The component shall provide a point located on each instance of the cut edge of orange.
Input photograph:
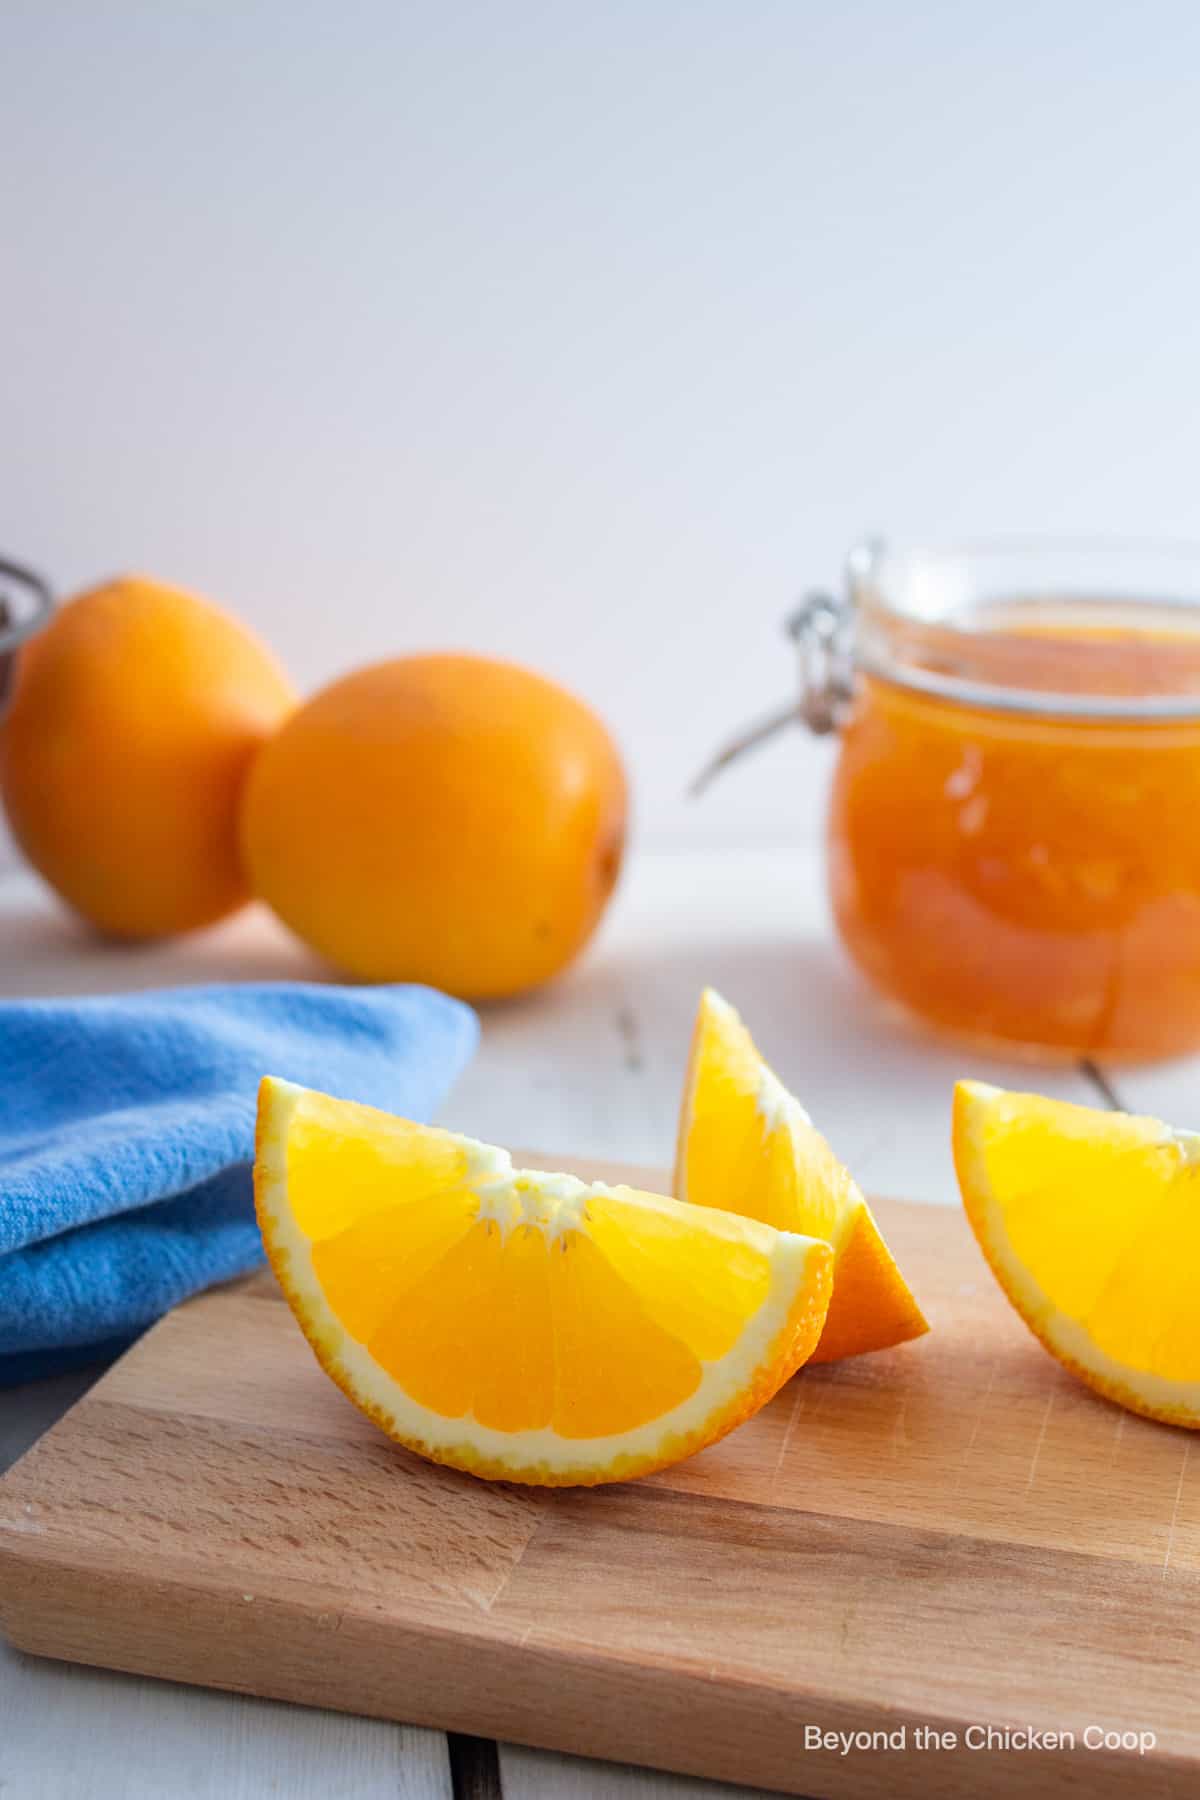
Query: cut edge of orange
(1066, 1338)
(872, 1307)
(776, 1340)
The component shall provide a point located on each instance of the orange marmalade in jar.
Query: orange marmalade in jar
(1015, 826)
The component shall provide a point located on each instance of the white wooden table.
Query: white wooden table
(592, 1066)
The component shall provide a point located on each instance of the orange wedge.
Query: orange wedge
(1091, 1223)
(520, 1326)
(747, 1145)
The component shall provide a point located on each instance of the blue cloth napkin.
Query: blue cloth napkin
(127, 1128)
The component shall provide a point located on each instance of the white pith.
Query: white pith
(556, 1204)
(778, 1108)
(1189, 1145)
(775, 1104)
(1070, 1336)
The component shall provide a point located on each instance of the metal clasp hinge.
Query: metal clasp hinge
(16, 624)
(821, 628)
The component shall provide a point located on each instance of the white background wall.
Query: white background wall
(588, 333)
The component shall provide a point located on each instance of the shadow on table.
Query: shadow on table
(45, 950)
(807, 1006)
(27, 1410)
(878, 1085)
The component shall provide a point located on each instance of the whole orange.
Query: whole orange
(136, 716)
(448, 819)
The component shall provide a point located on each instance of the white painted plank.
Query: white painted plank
(594, 1065)
(541, 1775)
(1169, 1091)
(46, 950)
(68, 1733)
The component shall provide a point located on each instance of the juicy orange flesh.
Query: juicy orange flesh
(337, 1174)
(1104, 1214)
(742, 1154)
(747, 1145)
(373, 1265)
(588, 1333)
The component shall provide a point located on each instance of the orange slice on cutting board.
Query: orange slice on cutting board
(521, 1326)
(747, 1145)
(1091, 1223)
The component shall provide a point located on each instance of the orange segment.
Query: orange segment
(398, 1253)
(1091, 1223)
(747, 1145)
(514, 1389)
(523, 1326)
(339, 1157)
(631, 1372)
(699, 1298)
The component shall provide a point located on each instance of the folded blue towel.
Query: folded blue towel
(127, 1128)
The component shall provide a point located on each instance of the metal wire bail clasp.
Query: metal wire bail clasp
(19, 619)
(821, 629)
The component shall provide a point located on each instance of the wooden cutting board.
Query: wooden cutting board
(945, 1538)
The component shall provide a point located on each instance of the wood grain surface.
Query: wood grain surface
(953, 1535)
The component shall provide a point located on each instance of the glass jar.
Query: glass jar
(1014, 835)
